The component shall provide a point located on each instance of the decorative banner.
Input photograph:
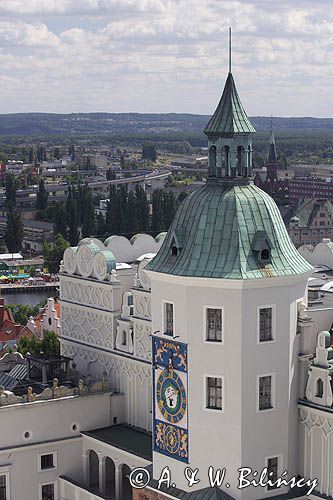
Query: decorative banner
(170, 398)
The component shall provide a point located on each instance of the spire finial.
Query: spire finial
(229, 49)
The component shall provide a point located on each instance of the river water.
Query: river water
(30, 298)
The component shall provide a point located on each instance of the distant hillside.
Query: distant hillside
(48, 124)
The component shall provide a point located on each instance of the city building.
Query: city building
(313, 221)
(310, 187)
(35, 233)
(206, 352)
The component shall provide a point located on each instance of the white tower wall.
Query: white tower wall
(238, 436)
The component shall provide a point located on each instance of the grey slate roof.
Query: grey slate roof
(19, 372)
(126, 438)
(230, 116)
(7, 382)
(309, 209)
(203, 494)
(221, 221)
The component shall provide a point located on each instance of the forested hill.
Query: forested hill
(46, 124)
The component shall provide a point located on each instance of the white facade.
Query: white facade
(47, 427)
(97, 341)
(239, 360)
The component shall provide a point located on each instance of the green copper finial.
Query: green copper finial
(229, 49)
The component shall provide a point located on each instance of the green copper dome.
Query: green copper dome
(228, 229)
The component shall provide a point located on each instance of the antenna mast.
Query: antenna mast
(230, 49)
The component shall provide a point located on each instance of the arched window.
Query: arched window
(320, 388)
(174, 250)
(212, 161)
(240, 160)
(93, 470)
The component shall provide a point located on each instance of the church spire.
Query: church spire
(272, 147)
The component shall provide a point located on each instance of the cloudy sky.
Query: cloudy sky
(165, 55)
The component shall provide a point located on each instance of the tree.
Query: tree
(131, 213)
(73, 222)
(59, 219)
(14, 231)
(31, 155)
(113, 212)
(142, 208)
(157, 220)
(169, 208)
(181, 197)
(101, 229)
(26, 344)
(124, 221)
(71, 151)
(42, 196)
(149, 152)
(50, 343)
(88, 211)
(22, 312)
(41, 154)
(56, 154)
(110, 174)
(11, 184)
(53, 253)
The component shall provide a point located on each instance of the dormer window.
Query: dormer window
(265, 255)
(177, 241)
(261, 247)
(174, 250)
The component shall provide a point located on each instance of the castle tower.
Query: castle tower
(229, 133)
(225, 286)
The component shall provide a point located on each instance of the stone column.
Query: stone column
(101, 474)
(118, 482)
(85, 461)
(233, 161)
(44, 375)
(218, 161)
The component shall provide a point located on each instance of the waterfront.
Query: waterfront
(29, 298)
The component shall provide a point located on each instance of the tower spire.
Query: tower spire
(229, 49)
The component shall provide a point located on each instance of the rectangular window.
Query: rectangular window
(47, 461)
(3, 487)
(272, 471)
(168, 318)
(214, 393)
(48, 492)
(265, 393)
(213, 325)
(265, 324)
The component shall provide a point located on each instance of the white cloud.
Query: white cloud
(165, 55)
(28, 35)
(81, 7)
